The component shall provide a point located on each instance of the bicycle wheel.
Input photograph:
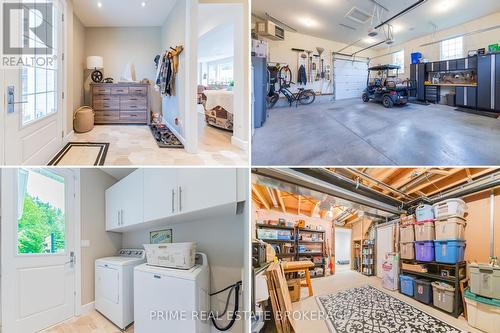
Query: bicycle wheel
(272, 100)
(307, 97)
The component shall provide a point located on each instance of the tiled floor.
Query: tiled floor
(349, 279)
(134, 145)
(93, 322)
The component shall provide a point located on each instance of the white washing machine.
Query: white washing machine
(166, 298)
(114, 283)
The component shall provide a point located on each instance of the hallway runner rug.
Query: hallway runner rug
(368, 309)
(81, 153)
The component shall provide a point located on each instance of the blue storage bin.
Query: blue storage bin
(415, 57)
(450, 251)
(407, 283)
(424, 213)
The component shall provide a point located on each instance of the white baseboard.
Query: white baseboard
(67, 137)
(87, 308)
(242, 144)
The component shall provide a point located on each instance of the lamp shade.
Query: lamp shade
(95, 62)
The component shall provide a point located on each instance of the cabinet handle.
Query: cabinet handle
(180, 199)
(121, 220)
(118, 215)
(173, 195)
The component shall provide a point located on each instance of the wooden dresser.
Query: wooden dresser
(120, 103)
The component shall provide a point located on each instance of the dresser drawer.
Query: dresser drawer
(119, 90)
(101, 91)
(139, 115)
(107, 116)
(133, 103)
(138, 90)
(106, 103)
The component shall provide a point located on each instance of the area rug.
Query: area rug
(164, 137)
(368, 309)
(81, 153)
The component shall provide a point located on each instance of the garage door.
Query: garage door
(350, 78)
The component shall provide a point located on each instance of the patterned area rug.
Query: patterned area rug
(81, 153)
(368, 309)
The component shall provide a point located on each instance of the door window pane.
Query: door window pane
(41, 212)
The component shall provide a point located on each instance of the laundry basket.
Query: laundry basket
(83, 119)
(450, 207)
(424, 213)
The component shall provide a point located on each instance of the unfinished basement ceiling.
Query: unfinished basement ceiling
(407, 184)
(327, 18)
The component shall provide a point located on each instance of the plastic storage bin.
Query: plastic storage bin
(450, 207)
(415, 57)
(405, 220)
(424, 231)
(267, 234)
(407, 250)
(424, 251)
(485, 280)
(482, 313)
(450, 251)
(406, 283)
(173, 255)
(443, 296)
(424, 213)
(452, 228)
(423, 291)
(407, 233)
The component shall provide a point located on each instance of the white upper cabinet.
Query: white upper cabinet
(160, 193)
(124, 202)
(205, 188)
(150, 197)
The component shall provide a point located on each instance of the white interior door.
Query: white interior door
(384, 245)
(33, 117)
(350, 78)
(38, 247)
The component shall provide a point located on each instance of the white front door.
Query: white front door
(33, 104)
(384, 245)
(38, 248)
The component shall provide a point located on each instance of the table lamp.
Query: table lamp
(96, 63)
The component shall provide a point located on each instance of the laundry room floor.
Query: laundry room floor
(350, 279)
(92, 322)
(350, 132)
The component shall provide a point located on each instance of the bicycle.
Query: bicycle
(303, 96)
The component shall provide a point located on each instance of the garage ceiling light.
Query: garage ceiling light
(308, 22)
(369, 40)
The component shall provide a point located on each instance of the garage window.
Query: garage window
(452, 48)
(398, 58)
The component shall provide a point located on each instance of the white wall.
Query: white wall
(93, 183)
(222, 239)
(79, 63)
(121, 46)
(342, 244)
(173, 33)
(432, 52)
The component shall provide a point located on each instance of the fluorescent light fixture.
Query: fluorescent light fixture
(99, 4)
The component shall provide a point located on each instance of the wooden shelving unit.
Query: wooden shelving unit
(458, 271)
(314, 239)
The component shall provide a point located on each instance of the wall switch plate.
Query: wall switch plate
(85, 243)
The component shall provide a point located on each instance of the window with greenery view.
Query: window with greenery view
(41, 213)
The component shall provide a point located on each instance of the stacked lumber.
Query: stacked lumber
(280, 298)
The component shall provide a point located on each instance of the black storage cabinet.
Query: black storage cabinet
(497, 82)
(422, 291)
(484, 82)
(421, 80)
(260, 81)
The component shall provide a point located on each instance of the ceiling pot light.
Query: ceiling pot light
(99, 4)
(143, 4)
(308, 22)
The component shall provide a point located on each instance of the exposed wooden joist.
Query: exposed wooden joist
(298, 204)
(433, 179)
(457, 179)
(260, 196)
(280, 200)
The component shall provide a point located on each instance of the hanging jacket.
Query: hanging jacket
(302, 77)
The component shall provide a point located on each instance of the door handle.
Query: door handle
(118, 215)
(121, 217)
(180, 199)
(72, 259)
(173, 199)
(10, 99)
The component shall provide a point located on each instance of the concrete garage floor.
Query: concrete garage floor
(350, 132)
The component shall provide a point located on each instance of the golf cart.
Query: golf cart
(383, 88)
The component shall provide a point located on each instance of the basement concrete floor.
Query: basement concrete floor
(350, 132)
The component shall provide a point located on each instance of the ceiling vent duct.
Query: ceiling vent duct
(358, 15)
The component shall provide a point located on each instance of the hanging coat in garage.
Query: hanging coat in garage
(302, 77)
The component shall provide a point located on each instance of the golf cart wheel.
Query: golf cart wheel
(365, 97)
(273, 100)
(307, 97)
(387, 102)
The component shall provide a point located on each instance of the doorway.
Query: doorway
(39, 248)
(33, 121)
(342, 249)
(385, 241)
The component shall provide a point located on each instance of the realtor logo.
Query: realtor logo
(27, 28)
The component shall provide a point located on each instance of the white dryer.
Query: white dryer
(167, 298)
(114, 283)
